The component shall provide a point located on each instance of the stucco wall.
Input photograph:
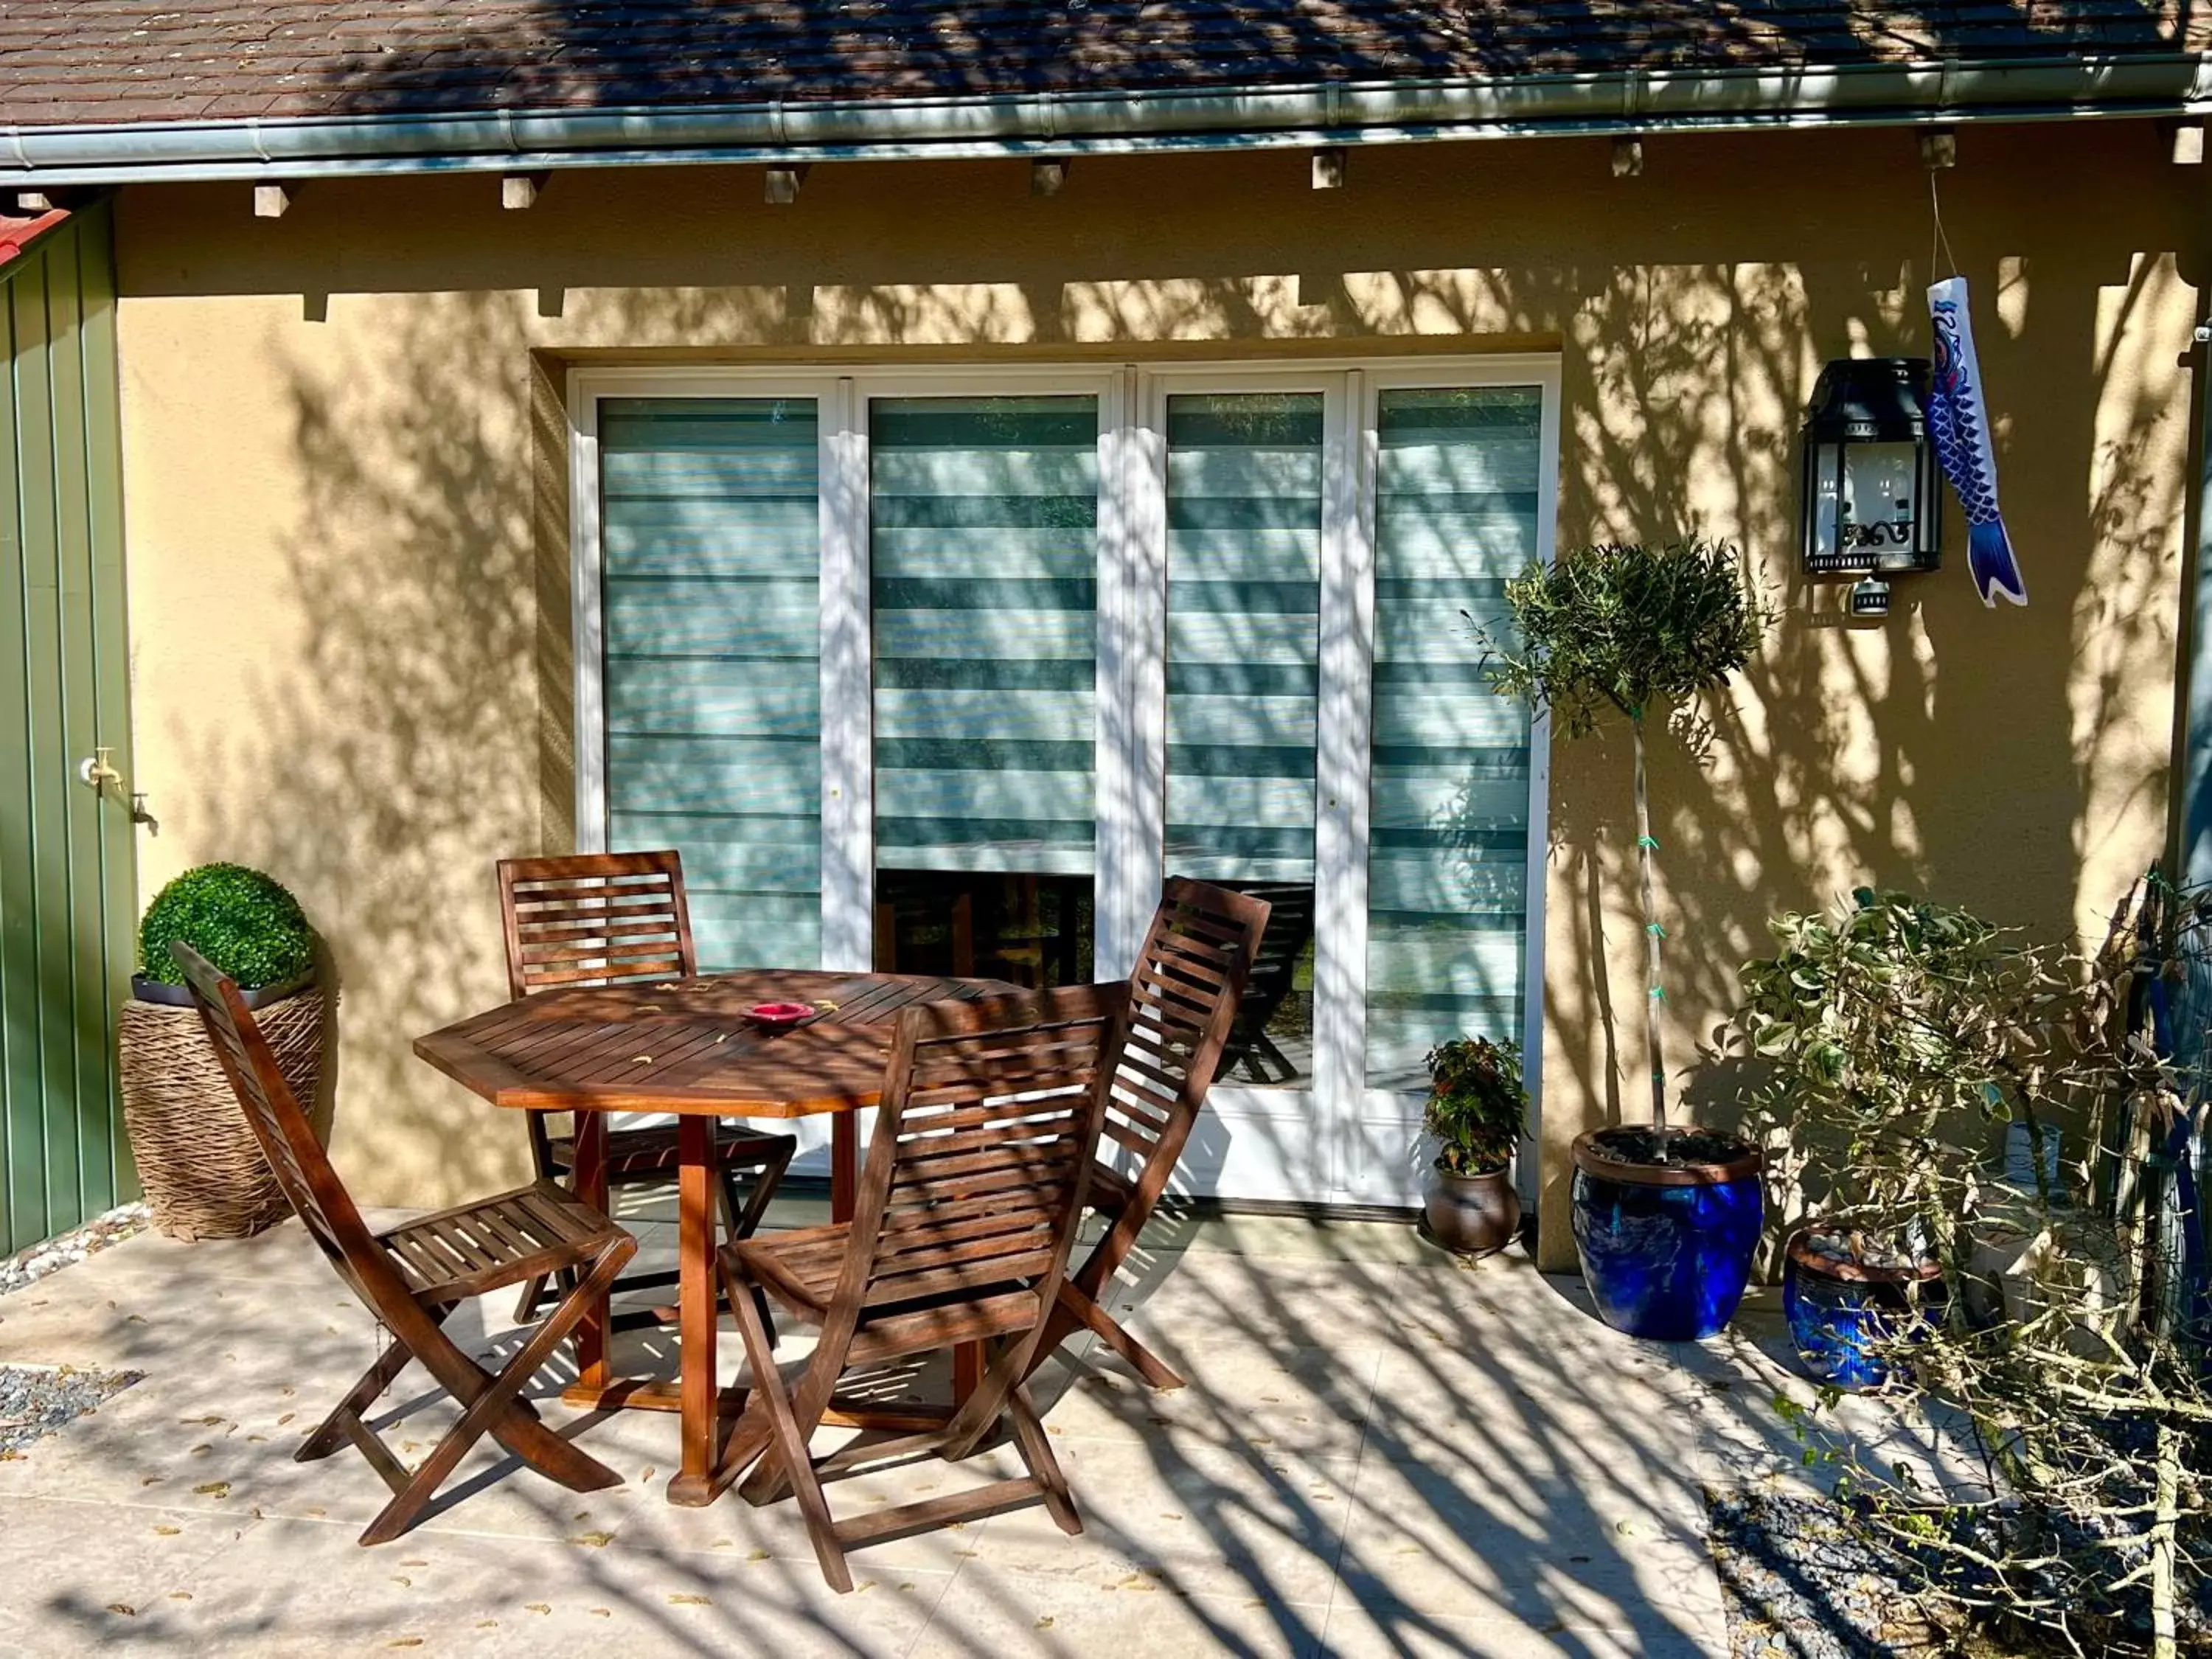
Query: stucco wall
(347, 530)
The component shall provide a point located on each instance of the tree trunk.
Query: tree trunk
(1655, 992)
(2163, 1642)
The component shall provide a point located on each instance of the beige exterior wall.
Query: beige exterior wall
(347, 525)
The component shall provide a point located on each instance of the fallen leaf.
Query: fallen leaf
(641, 1059)
(122, 1607)
(601, 1612)
(593, 1541)
(1045, 1623)
(214, 1489)
(402, 1581)
(404, 1642)
(180, 1595)
(539, 1607)
(757, 1555)
(166, 1532)
(689, 1601)
(286, 1418)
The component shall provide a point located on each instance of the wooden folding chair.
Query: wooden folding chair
(413, 1275)
(1183, 1001)
(1273, 977)
(966, 1211)
(608, 919)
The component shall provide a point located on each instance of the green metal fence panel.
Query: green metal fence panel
(68, 882)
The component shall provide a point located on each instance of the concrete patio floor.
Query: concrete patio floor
(1380, 1452)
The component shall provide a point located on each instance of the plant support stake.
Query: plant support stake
(1646, 846)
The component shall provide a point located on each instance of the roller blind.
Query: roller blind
(1457, 513)
(711, 550)
(983, 524)
(1244, 511)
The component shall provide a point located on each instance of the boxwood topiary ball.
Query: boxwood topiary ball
(244, 922)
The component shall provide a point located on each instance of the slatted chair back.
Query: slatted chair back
(1184, 994)
(594, 919)
(1274, 969)
(973, 1187)
(287, 1140)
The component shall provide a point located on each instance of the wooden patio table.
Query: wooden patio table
(688, 1047)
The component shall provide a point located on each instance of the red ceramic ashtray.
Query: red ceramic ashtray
(780, 1013)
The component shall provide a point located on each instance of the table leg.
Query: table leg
(590, 1176)
(694, 1140)
(844, 1164)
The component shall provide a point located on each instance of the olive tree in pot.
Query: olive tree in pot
(1895, 1033)
(1666, 1216)
(204, 1173)
(1476, 1109)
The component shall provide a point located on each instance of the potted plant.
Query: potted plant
(1476, 1109)
(1894, 1032)
(1666, 1216)
(204, 1173)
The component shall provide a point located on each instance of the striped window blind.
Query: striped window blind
(711, 549)
(983, 527)
(1457, 513)
(1244, 509)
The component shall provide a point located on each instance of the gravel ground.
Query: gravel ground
(36, 1399)
(1799, 1587)
(28, 1266)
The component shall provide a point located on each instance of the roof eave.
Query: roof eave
(1642, 102)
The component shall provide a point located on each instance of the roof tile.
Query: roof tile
(126, 60)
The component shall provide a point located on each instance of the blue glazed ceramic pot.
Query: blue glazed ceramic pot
(1666, 1249)
(1838, 1311)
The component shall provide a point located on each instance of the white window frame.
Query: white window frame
(1387, 1110)
(1131, 686)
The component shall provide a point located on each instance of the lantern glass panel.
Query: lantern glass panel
(1827, 502)
(1881, 487)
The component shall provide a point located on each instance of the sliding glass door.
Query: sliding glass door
(983, 559)
(712, 620)
(943, 671)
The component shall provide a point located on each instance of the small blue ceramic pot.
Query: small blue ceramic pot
(1666, 1249)
(1839, 1311)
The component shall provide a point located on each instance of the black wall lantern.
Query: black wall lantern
(1873, 502)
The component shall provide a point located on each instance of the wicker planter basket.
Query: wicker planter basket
(202, 1170)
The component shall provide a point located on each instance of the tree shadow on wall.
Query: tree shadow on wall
(380, 774)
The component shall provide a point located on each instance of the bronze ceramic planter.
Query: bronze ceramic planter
(1472, 1215)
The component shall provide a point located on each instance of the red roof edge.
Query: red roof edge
(17, 233)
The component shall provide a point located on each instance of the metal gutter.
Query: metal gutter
(1116, 121)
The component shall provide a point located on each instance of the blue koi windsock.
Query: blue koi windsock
(1957, 423)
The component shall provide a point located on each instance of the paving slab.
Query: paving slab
(1379, 1451)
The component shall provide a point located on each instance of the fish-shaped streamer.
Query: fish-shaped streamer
(1959, 423)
